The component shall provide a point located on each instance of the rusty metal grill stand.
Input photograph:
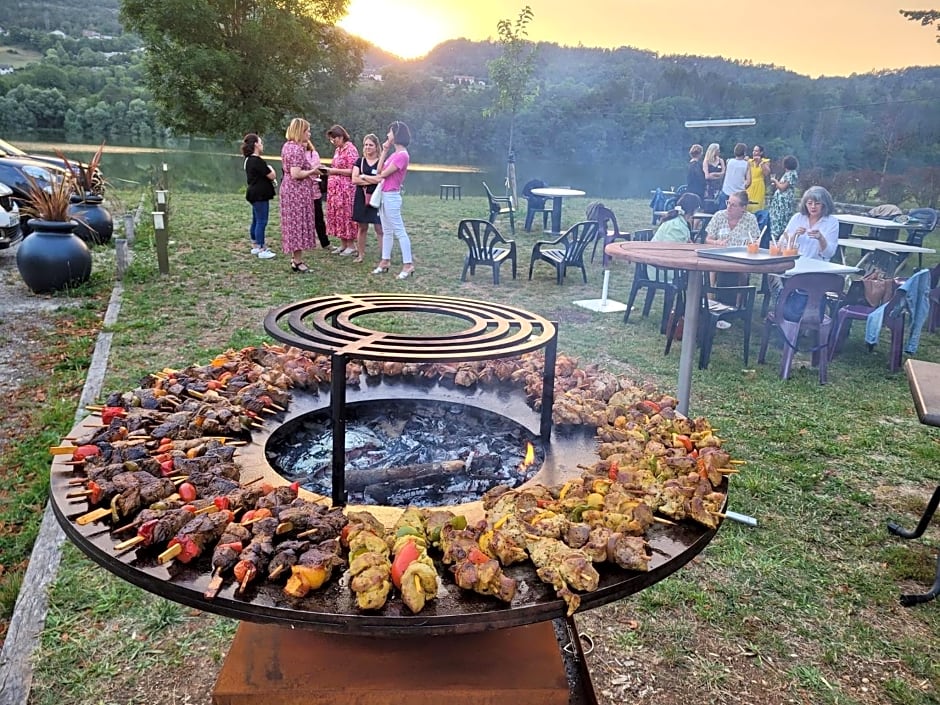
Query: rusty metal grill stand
(327, 325)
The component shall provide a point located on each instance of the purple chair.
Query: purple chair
(813, 290)
(893, 321)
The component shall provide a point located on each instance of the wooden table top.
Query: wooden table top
(684, 255)
(924, 378)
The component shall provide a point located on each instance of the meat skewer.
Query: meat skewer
(225, 555)
(313, 568)
(192, 539)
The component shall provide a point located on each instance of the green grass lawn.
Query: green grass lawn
(801, 609)
(18, 57)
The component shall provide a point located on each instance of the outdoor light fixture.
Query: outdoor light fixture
(722, 122)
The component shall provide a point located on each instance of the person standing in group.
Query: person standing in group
(340, 191)
(737, 175)
(760, 170)
(713, 167)
(365, 177)
(695, 179)
(392, 170)
(319, 223)
(261, 179)
(783, 200)
(298, 232)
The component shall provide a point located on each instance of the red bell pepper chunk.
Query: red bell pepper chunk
(477, 557)
(405, 557)
(109, 413)
(683, 440)
(86, 451)
(612, 471)
(222, 502)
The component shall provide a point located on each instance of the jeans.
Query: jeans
(392, 224)
(259, 222)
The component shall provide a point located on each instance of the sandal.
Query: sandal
(380, 270)
(299, 267)
(359, 260)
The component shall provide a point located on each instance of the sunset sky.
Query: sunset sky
(811, 37)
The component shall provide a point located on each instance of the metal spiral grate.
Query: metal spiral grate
(328, 325)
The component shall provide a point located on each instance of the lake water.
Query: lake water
(216, 166)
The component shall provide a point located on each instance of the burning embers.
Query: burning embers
(409, 452)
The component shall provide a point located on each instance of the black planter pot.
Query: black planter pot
(95, 225)
(53, 257)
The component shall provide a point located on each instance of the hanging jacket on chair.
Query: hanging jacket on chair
(917, 290)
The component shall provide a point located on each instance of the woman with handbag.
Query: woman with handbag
(365, 177)
(393, 166)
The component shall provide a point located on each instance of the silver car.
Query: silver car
(10, 232)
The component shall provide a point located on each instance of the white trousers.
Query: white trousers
(392, 224)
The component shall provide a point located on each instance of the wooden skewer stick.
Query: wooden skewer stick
(208, 509)
(278, 569)
(130, 543)
(720, 515)
(93, 515)
(308, 532)
(194, 393)
(79, 493)
(170, 553)
(283, 528)
(94, 407)
(728, 471)
(215, 584)
(74, 462)
(62, 450)
(266, 410)
(738, 462)
(256, 425)
(277, 406)
(660, 520)
(95, 425)
(77, 481)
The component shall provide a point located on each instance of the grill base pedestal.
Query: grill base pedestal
(282, 666)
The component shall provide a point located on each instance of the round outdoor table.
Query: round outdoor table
(679, 255)
(556, 194)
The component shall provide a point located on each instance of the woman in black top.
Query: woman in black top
(695, 179)
(261, 182)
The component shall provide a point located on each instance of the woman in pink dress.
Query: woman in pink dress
(298, 232)
(341, 192)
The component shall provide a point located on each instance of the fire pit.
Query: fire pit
(328, 324)
(456, 617)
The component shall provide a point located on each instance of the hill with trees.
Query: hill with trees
(609, 107)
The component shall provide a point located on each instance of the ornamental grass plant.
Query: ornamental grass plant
(801, 609)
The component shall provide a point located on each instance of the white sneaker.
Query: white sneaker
(255, 250)
(337, 250)
(722, 325)
(265, 254)
(348, 252)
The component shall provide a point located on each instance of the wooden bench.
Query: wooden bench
(449, 191)
(924, 378)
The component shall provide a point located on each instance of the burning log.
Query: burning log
(358, 480)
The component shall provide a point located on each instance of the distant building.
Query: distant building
(58, 33)
(366, 76)
(5, 69)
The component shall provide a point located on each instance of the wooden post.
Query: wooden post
(163, 241)
(129, 228)
(120, 256)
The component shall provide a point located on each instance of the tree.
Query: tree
(925, 17)
(512, 73)
(222, 68)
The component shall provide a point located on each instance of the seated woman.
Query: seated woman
(813, 230)
(734, 226)
(673, 228)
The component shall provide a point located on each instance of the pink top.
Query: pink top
(394, 180)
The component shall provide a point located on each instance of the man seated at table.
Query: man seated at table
(813, 230)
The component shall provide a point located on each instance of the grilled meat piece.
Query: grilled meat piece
(313, 568)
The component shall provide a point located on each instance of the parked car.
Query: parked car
(13, 152)
(10, 231)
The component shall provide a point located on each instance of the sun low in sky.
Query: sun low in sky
(830, 38)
